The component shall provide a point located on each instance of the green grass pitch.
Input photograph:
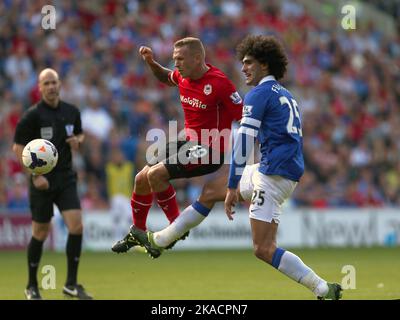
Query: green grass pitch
(213, 274)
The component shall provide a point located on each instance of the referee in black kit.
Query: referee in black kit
(60, 123)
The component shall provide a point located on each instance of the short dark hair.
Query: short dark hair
(266, 50)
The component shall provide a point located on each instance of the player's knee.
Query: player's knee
(259, 252)
(155, 176)
(152, 175)
(76, 229)
(207, 194)
(141, 178)
(264, 252)
(40, 233)
(208, 197)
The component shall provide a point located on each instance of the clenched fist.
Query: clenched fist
(146, 53)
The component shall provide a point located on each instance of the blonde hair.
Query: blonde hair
(194, 44)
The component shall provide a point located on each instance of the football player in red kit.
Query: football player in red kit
(210, 103)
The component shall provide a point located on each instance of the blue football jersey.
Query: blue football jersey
(271, 114)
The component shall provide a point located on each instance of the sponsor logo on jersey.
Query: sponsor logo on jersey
(207, 89)
(247, 111)
(236, 98)
(276, 88)
(193, 102)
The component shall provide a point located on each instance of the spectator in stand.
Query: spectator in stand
(119, 174)
(346, 80)
(18, 196)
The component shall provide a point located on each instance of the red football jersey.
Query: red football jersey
(210, 102)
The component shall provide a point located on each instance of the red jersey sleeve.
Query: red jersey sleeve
(231, 100)
(174, 77)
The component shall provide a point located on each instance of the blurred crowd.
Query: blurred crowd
(346, 83)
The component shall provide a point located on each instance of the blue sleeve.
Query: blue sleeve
(253, 113)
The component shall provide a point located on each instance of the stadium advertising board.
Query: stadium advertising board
(16, 232)
(298, 228)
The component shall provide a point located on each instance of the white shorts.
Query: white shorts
(246, 184)
(267, 193)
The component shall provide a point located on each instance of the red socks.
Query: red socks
(167, 201)
(141, 205)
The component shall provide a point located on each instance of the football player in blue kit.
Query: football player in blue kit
(271, 115)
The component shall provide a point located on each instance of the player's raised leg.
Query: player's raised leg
(149, 179)
(158, 177)
(156, 242)
(152, 180)
(270, 192)
(141, 202)
(265, 248)
(212, 192)
(142, 199)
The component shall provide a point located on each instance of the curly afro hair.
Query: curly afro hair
(266, 50)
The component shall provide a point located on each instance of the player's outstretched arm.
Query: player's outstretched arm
(160, 72)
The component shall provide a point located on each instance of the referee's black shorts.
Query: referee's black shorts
(187, 159)
(62, 192)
